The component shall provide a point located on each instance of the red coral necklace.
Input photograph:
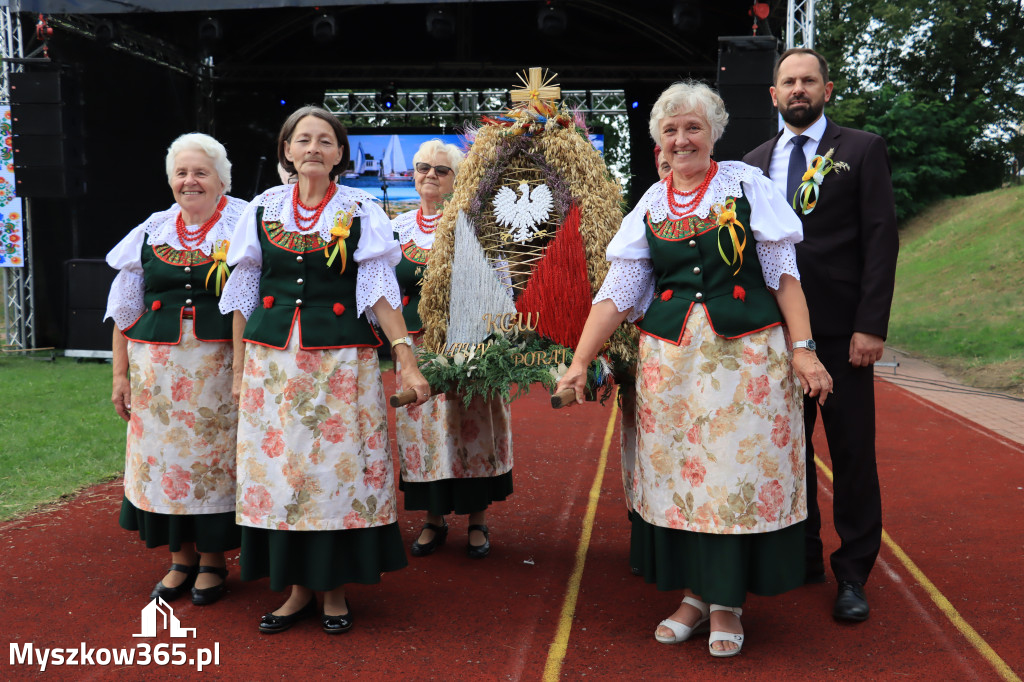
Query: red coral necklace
(427, 225)
(192, 238)
(305, 223)
(696, 194)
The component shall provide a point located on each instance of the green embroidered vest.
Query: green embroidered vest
(297, 285)
(410, 273)
(689, 270)
(175, 280)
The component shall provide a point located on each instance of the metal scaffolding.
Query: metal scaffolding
(18, 299)
(800, 24)
(371, 108)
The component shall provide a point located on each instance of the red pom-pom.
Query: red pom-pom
(268, 301)
(156, 305)
(740, 293)
(405, 300)
(666, 295)
(338, 309)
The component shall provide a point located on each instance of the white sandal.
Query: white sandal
(719, 636)
(680, 631)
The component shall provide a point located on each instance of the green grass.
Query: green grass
(958, 287)
(58, 430)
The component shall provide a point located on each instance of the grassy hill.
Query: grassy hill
(959, 299)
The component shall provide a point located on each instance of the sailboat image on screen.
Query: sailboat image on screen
(151, 612)
(392, 163)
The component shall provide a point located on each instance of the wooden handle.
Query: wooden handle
(406, 397)
(403, 398)
(566, 396)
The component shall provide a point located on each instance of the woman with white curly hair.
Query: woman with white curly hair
(707, 260)
(172, 372)
(454, 458)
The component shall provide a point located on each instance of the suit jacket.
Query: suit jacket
(847, 260)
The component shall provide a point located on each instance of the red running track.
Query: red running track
(953, 503)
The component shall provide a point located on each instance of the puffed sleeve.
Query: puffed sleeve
(125, 301)
(630, 279)
(776, 227)
(377, 253)
(242, 291)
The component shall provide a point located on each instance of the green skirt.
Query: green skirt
(209, 532)
(721, 569)
(459, 495)
(321, 560)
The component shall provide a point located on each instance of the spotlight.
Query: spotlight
(388, 96)
(106, 31)
(551, 19)
(634, 104)
(324, 29)
(440, 24)
(209, 31)
(686, 16)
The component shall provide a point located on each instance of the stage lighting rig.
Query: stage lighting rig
(440, 23)
(324, 29)
(551, 19)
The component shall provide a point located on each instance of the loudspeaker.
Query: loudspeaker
(745, 66)
(88, 284)
(46, 122)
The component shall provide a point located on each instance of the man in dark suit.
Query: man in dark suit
(847, 264)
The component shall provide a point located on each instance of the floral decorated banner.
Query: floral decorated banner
(12, 236)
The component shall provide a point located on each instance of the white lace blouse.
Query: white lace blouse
(630, 279)
(125, 301)
(377, 252)
(405, 225)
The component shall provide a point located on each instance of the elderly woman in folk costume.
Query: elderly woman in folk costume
(454, 458)
(707, 259)
(316, 494)
(172, 373)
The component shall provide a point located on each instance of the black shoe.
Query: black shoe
(208, 595)
(851, 604)
(271, 624)
(172, 593)
(479, 551)
(335, 625)
(440, 535)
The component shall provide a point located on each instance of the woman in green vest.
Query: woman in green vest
(172, 372)
(314, 266)
(705, 264)
(454, 459)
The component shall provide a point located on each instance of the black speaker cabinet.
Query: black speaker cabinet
(87, 286)
(745, 66)
(46, 122)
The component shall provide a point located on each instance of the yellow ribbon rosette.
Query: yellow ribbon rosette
(339, 233)
(736, 232)
(219, 270)
(806, 197)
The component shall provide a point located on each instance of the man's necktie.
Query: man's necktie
(797, 168)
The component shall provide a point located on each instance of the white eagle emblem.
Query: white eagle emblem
(522, 214)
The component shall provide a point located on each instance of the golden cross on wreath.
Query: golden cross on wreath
(537, 92)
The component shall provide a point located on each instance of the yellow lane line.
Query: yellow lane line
(560, 644)
(969, 633)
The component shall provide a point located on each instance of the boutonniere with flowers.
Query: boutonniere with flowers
(219, 270)
(806, 197)
(339, 233)
(735, 233)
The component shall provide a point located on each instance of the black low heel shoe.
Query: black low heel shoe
(479, 551)
(172, 593)
(271, 624)
(335, 625)
(440, 535)
(208, 595)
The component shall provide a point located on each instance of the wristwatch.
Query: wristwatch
(808, 344)
(407, 340)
